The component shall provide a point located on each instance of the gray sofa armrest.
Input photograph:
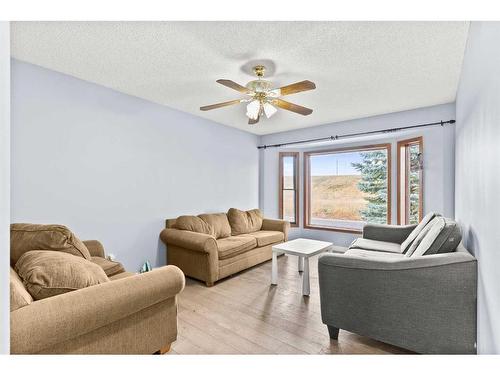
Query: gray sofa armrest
(387, 233)
(425, 304)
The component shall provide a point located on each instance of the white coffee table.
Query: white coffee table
(304, 249)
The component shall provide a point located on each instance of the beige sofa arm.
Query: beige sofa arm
(95, 248)
(277, 225)
(53, 320)
(189, 240)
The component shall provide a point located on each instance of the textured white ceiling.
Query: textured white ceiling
(360, 68)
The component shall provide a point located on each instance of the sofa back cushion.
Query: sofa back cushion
(193, 224)
(243, 222)
(415, 232)
(27, 237)
(49, 273)
(219, 224)
(442, 237)
(19, 296)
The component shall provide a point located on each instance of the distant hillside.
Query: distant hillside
(336, 197)
(333, 197)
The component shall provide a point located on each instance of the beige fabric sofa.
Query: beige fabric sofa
(219, 245)
(130, 314)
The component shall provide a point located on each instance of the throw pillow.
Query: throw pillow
(415, 232)
(219, 223)
(193, 224)
(243, 222)
(421, 236)
(19, 296)
(49, 273)
(27, 237)
(431, 235)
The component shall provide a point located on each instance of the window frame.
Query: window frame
(307, 183)
(404, 144)
(296, 189)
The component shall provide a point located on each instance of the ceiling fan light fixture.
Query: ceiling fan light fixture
(269, 110)
(253, 109)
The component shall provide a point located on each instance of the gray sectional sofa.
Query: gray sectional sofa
(410, 286)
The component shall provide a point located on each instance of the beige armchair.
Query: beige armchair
(129, 314)
(132, 315)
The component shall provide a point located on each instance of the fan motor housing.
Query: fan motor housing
(259, 85)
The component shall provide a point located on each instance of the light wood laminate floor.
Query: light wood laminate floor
(244, 314)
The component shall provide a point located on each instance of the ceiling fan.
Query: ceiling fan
(262, 98)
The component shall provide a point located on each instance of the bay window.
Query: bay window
(346, 188)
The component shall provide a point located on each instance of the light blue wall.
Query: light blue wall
(112, 167)
(438, 161)
(477, 198)
(4, 183)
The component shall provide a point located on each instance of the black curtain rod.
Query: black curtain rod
(336, 137)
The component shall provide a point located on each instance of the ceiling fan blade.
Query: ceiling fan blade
(219, 105)
(292, 107)
(235, 86)
(252, 121)
(296, 87)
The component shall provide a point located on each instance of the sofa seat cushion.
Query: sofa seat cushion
(234, 245)
(19, 296)
(27, 237)
(243, 222)
(266, 237)
(49, 273)
(373, 254)
(219, 224)
(109, 267)
(366, 244)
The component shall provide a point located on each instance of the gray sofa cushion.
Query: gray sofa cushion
(432, 231)
(447, 240)
(421, 236)
(371, 254)
(418, 229)
(366, 244)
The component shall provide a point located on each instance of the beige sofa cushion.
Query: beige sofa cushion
(219, 224)
(49, 273)
(109, 267)
(193, 224)
(231, 246)
(266, 237)
(19, 296)
(27, 237)
(243, 222)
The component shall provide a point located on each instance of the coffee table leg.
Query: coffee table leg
(301, 264)
(305, 278)
(274, 269)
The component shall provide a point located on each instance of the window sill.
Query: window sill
(334, 229)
